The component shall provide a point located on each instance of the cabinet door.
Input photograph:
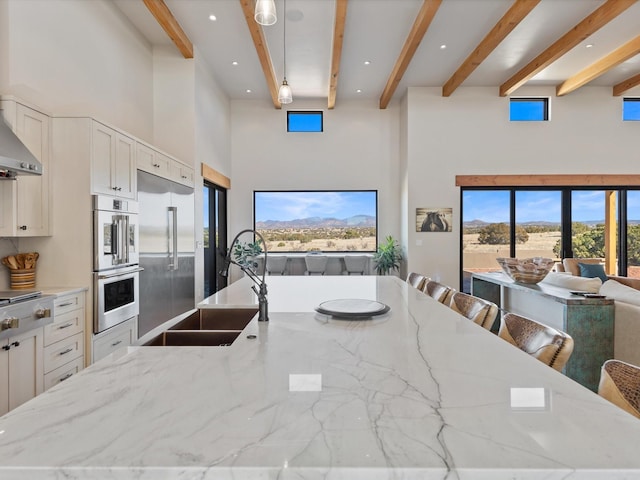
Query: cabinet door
(4, 378)
(103, 156)
(24, 203)
(125, 167)
(33, 190)
(26, 373)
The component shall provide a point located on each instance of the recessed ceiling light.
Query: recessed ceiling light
(234, 63)
(589, 45)
(358, 91)
(443, 46)
(248, 90)
(367, 62)
(213, 18)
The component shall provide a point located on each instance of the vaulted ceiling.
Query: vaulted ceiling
(376, 49)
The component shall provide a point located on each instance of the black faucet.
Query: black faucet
(261, 291)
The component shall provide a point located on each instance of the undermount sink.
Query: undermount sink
(206, 328)
(217, 319)
(194, 338)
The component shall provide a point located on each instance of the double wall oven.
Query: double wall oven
(115, 264)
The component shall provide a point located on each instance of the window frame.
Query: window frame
(630, 100)
(301, 113)
(546, 108)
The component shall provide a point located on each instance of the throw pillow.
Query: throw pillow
(620, 292)
(570, 282)
(592, 270)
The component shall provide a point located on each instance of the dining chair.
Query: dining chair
(480, 311)
(442, 293)
(416, 280)
(316, 264)
(550, 346)
(276, 265)
(356, 264)
(620, 384)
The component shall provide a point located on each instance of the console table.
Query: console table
(588, 320)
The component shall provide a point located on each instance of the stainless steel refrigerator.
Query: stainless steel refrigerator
(166, 223)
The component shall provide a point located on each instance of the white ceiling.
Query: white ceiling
(375, 31)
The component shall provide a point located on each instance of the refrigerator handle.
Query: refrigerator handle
(173, 238)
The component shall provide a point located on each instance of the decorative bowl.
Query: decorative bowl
(526, 270)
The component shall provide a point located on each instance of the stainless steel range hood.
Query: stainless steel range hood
(15, 157)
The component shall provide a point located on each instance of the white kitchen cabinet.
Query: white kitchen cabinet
(113, 164)
(25, 203)
(21, 369)
(122, 335)
(181, 173)
(152, 161)
(64, 339)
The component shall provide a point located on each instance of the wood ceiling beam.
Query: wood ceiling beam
(171, 26)
(625, 85)
(420, 26)
(593, 22)
(510, 20)
(259, 42)
(606, 63)
(558, 180)
(336, 54)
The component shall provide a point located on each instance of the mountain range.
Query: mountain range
(318, 222)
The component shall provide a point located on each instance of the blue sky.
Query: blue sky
(296, 205)
(493, 206)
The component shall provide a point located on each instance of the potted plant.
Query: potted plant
(388, 256)
(245, 254)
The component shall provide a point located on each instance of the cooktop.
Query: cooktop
(13, 296)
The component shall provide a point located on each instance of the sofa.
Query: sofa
(626, 294)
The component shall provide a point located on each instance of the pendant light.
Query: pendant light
(265, 13)
(284, 94)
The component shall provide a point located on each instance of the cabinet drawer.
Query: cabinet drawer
(60, 374)
(64, 326)
(120, 336)
(68, 303)
(64, 351)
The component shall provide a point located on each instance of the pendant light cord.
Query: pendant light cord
(284, 22)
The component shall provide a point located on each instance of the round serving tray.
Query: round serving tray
(352, 308)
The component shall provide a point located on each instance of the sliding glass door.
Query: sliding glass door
(215, 237)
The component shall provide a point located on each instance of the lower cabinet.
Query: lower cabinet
(122, 335)
(21, 372)
(64, 339)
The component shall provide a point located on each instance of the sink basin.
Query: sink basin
(217, 319)
(191, 338)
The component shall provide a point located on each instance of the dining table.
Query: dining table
(351, 377)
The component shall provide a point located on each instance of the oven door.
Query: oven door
(115, 239)
(116, 297)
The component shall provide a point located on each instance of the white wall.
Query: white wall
(359, 149)
(470, 133)
(79, 58)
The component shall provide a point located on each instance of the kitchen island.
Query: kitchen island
(417, 393)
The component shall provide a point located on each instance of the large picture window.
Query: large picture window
(329, 221)
(549, 222)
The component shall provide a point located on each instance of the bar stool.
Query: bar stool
(416, 280)
(276, 265)
(316, 264)
(440, 292)
(478, 310)
(550, 346)
(620, 384)
(356, 264)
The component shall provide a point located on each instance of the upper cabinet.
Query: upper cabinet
(153, 161)
(113, 162)
(25, 206)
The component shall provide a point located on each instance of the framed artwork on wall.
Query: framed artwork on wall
(433, 219)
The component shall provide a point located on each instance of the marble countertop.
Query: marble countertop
(417, 393)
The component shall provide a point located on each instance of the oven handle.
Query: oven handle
(120, 273)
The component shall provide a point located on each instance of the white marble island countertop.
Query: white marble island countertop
(417, 393)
